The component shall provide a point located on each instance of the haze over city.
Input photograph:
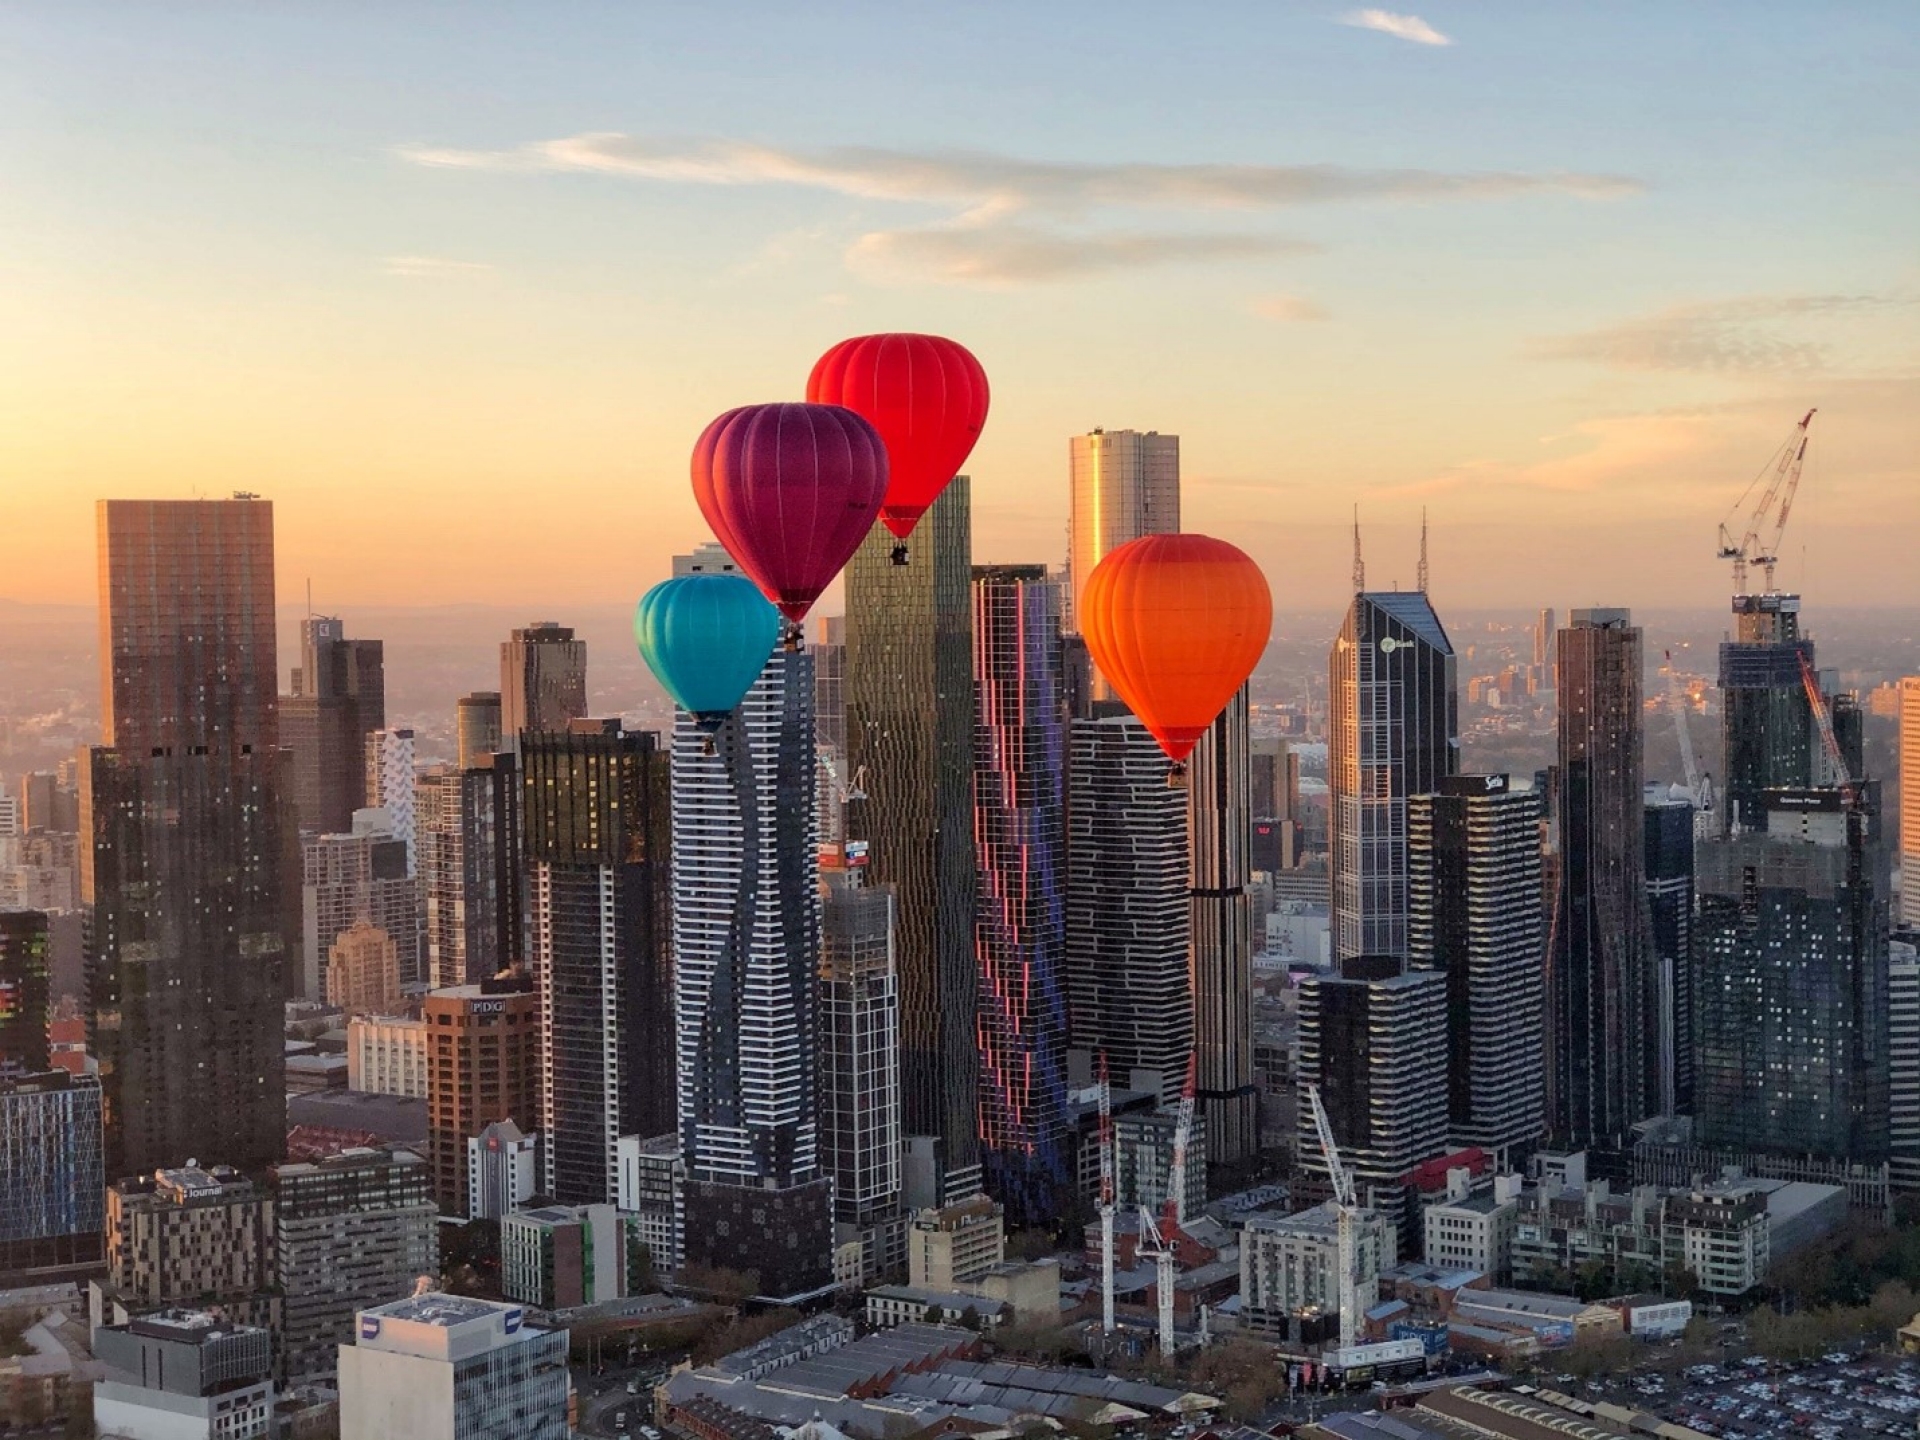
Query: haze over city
(458, 289)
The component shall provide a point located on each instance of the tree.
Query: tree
(934, 1315)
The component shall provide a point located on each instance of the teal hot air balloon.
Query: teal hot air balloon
(707, 638)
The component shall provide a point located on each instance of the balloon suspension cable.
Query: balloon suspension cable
(1177, 775)
(900, 554)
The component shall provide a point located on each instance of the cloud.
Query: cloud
(1288, 309)
(1738, 336)
(1008, 254)
(988, 185)
(432, 267)
(1401, 27)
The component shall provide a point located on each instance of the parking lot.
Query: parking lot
(1839, 1395)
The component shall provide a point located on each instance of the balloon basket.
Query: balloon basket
(900, 554)
(706, 747)
(1177, 775)
(790, 636)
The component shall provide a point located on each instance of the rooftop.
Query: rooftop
(434, 1308)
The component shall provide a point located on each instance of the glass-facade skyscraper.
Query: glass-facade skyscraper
(1602, 1020)
(339, 694)
(1393, 732)
(1122, 484)
(543, 680)
(909, 735)
(1220, 934)
(1669, 862)
(598, 849)
(190, 856)
(1020, 832)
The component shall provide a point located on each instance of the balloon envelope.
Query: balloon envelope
(790, 490)
(1176, 623)
(706, 638)
(926, 395)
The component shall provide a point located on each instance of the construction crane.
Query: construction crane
(1159, 1238)
(1345, 1209)
(1830, 742)
(1759, 542)
(1106, 1199)
(1699, 786)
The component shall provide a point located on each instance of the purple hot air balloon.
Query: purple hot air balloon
(790, 490)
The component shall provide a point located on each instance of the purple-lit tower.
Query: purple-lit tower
(1020, 837)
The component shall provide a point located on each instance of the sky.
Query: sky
(459, 285)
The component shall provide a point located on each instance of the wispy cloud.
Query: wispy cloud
(1288, 309)
(1754, 334)
(432, 267)
(1000, 183)
(1011, 220)
(1401, 27)
(1007, 254)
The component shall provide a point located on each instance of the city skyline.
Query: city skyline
(365, 290)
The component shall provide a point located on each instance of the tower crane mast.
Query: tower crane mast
(1106, 1199)
(1345, 1216)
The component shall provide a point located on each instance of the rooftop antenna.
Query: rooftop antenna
(1359, 565)
(1420, 578)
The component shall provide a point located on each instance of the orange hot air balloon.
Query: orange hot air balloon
(1176, 623)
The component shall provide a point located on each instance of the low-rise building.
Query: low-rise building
(503, 1170)
(443, 1367)
(891, 1305)
(184, 1375)
(195, 1236)
(1654, 1317)
(1554, 1318)
(1474, 1231)
(562, 1256)
(1290, 1269)
(387, 1055)
(949, 1247)
(651, 1189)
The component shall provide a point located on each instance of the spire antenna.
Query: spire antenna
(1420, 576)
(1359, 565)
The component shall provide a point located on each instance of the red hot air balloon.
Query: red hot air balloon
(790, 490)
(928, 399)
(1176, 623)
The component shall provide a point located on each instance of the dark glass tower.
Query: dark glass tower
(24, 992)
(1475, 916)
(1220, 935)
(1602, 1022)
(1669, 862)
(909, 700)
(598, 847)
(1020, 832)
(1393, 732)
(190, 853)
(1791, 999)
(543, 681)
(1130, 995)
(339, 695)
(1765, 719)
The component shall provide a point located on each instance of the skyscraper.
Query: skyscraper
(359, 876)
(829, 651)
(746, 940)
(25, 946)
(390, 786)
(1791, 981)
(1766, 722)
(478, 728)
(597, 851)
(1131, 997)
(543, 681)
(1220, 935)
(1123, 484)
(52, 1208)
(1543, 657)
(190, 852)
(1393, 732)
(363, 971)
(483, 1066)
(1373, 1038)
(1903, 1065)
(1020, 831)
(469, 845)
(1474, 915)
(339, 695)
(1910, 801)
(860, 1066)
(1602, 1025)
(1669, 866)
(909, 698)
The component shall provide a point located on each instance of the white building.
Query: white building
(390, 784)
(652, 1190)
(1910, 800)
(435, 1366)
(184, 1375)
(1290, 1268)
(1475, 1232)
(1903, 1039)
(503, 1170)
(387, 1055)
